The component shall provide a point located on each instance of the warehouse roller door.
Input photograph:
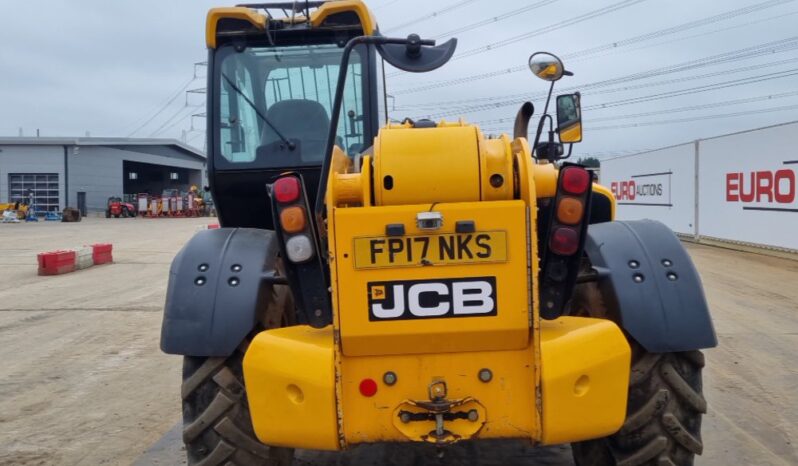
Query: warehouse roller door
(44, 187)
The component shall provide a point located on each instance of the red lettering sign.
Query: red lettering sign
(733, 187)
(784, 186)
(761, 186)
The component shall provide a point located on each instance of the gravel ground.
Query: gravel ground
(82, 380)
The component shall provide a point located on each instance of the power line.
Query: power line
(495, 19)
(600, 154)
(183, 118)
(163, 107)
(691, 108)
(194, 136)
(552, 27)
(694, 36)
(437, 13)
(758, 66)
(697, 89)
(614, 45)
(697, 118)
(670, 81)
(694, 90)
(682, 27)
(675, 120)
(175, 115)
(492, 102)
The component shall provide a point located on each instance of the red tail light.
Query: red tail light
(287, 189)
(564, 241)
(575, 180)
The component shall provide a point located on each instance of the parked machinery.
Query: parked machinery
(117, 208)
(417, 282)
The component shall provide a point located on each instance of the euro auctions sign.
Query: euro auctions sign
(764, 189)
(748, 187)
(740, 187)
(659, 185)
(652, 189)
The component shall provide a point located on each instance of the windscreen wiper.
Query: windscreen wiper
(291, 145)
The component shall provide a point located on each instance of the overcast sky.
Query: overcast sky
(68, 67)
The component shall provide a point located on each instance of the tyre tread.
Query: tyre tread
(683, 389)
(664, 407)
(218, 407)
(219, 454)
(205, 371)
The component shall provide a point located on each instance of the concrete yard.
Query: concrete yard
(82, 381)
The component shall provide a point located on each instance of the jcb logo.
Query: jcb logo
(421, 299)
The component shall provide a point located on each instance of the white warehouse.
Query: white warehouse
(85, 172)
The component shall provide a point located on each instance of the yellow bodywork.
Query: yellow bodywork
(317, 17)
(359, 336)
(550, 381)
(577, 391)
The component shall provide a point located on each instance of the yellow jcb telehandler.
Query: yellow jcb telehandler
(416, 281)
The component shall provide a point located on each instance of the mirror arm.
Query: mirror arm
(335, 111)
(548, 98)
(570, 149)
(539, 132)
(540, 123)
(335, 116)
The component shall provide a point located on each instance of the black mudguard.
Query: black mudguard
(647, 276)
(218, 283)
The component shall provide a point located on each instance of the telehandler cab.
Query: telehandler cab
(417, 282)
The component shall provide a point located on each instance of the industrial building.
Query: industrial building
(85, 172)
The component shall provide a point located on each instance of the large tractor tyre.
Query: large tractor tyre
(125, 213)
(664, 407)
(107, 214)
(217, 428)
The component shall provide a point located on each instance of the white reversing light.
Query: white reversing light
(299, 248)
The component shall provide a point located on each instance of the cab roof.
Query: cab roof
(254, 17)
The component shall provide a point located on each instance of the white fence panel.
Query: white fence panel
(659, 185)
(747, 187)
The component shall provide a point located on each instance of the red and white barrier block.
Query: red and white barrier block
(210, 226)
(83, 257)
(56, 262)
(69, 260)
(102, 253)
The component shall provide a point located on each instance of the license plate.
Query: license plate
(453, 248)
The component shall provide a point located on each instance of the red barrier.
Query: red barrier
(213, 226)
(102, 253)
(56, 262)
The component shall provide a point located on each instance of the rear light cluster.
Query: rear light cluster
(299, 242)
(570, 208)
(293, 218)
(566, 232)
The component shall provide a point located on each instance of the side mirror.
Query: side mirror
(416, 55)
(546, 66)
(569, 117)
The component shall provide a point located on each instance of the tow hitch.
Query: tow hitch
(439, 420)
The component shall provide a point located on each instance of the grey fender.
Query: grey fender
(646, 275)
(218, 283)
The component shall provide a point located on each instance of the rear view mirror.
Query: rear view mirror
(546, 66)
(416, 55)
(569, 118)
